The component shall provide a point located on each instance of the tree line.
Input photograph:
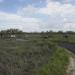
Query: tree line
(9, 32)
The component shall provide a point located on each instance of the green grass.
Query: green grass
(61, 38)
(35, 56)
(57, 64)
(23, 58)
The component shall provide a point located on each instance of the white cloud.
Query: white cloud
(14, 21)
(27, 11)
(57, 8)
(60, 17)
(69, 1)
(61, 14)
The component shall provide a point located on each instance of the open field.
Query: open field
(32, 54)
(23, 58)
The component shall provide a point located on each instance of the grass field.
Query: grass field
(33, 56)
(23, 58)
(57, 64)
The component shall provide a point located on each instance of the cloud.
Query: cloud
(57, 8)
(27, 11)
(15, 21)
(60, 14)
(54, 16)
(69, 1)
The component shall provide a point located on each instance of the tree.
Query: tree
(7, 33)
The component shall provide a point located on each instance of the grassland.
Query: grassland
(57, 64)
(34, 55)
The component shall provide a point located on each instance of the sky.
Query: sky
(37, 15)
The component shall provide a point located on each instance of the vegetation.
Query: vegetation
(57, 64)
(23, 57)
(32, 53)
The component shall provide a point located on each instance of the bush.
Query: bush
(57, 64)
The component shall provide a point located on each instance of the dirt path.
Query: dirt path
(71, 67)
(71, 50)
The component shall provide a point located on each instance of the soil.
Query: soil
(71, 67)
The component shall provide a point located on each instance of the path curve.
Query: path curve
(71, 67)
(71, 49)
